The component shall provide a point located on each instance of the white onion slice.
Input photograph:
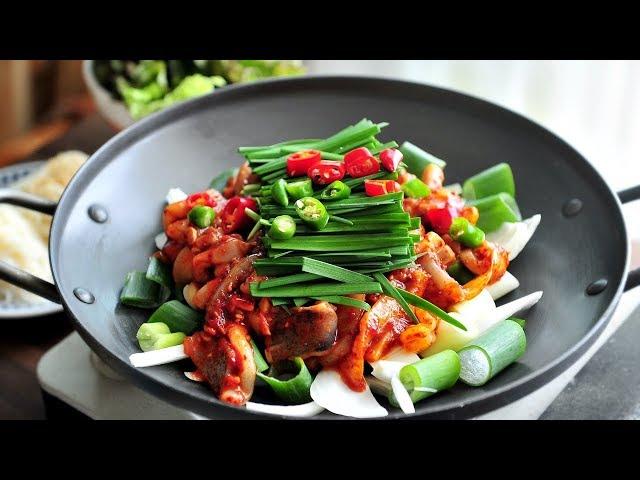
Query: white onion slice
(161, 240)
(329, 391)
(506, 284)
(450, 337)
(390, 365)
(193, 377)
(158, 357)
(175, 195)
(401, 355)
(402, 396)
(477, 309)
(304, 410)
(514, 236)
(385, 370)
(510, 309)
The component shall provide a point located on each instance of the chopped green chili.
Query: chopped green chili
(279, 192)
(463, 231)
(312, 212)
(300, 189)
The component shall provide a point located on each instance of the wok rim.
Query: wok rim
(166, 391)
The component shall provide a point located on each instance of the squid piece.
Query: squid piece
(215, 305)
(442, 289)
(308, 329)
(226, 362)
(226, 251)
(208, 238)
(182, 231)
(259, 319)
(377, 330)
(477, 260)
(174, 212)
(348, 326)
(198, 296)
(183, 267)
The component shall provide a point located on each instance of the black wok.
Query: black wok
(106, 219)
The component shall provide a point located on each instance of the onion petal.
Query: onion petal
(158, 357)
(478, 308)
(513, 237)
(304, 410)
(510, 309)
(402, 396)
(385, 368)
(193, 377)
(506, 284)
(175, 195)
(161, 240)
(329, 391)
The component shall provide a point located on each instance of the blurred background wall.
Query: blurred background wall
(594, 105)
(30, 90)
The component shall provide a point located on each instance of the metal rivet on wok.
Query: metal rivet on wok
(572, 207)
(84, 295)
(597, 287)
(98, 213)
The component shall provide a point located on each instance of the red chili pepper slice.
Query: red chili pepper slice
(201, 198)
(390, 158)
(299, 163)
(373, 188)
(234, 217)
(357, 154)
(325, 172)
(440, 219)
(362, 166)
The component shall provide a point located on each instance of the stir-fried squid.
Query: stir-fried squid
(306, 290)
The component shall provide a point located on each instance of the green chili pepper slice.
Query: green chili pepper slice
(460, 273)
(312, 212)
(336, 191)
(279, 192)
(283, 227)
(202, 216)
(300, 189)
(463, 231)
(295, 389)
(416, 188)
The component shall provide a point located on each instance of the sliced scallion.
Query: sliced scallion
(139, 291)
(315, 290)
(288, 280)
(430, 307)
(332, 272)
(177, 316)
(393, 292)
(347, 301)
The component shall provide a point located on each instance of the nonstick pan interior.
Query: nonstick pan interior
(188, 145)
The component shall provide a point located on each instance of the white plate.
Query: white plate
(8, 176)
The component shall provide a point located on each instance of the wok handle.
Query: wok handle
(629, 195)
(14, 275)
(26, 200)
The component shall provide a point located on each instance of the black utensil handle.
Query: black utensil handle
(629, 195)
(29, 282)
(14, 275)
(26, 200)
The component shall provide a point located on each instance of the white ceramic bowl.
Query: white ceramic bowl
(114, 111)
